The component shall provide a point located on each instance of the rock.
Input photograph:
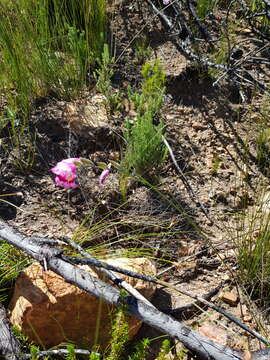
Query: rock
(247, 318)
(214, 333)
(50, 311)
(95, 112)
(230, 297)
(92, 114)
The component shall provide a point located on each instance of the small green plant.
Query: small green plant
(71, 352)
(103, 76)
(260, 8)
(12, 262)
(23, 339)
(140, 351)
(119, 332)
(204, 7)
(253, 249)
(34, 352)
(164, 351)
(216, 163)
(220, 54)
(94, 356)
(21, 140)
(153, 89)
(142, 50)
(254, 262)
(145, 149)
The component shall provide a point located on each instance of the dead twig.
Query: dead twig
(186, 311)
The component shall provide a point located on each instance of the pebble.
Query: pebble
(230, 297)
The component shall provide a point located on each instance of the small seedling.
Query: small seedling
(103, 76)
(204, 7)
(142, 50)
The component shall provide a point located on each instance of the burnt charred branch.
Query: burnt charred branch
(60, 353)
(196, 343)
(9, 345)
(202, 28)
(184, 27)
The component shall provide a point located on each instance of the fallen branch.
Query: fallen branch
(9, 345)
(198, 344)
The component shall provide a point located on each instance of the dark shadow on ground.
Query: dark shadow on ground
(10, 199)
(194, 85)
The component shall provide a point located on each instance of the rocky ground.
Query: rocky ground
(213, 139)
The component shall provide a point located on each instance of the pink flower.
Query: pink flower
(105, 173)
(166, 2)
(66, 172)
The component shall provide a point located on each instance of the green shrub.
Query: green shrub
(145, 149)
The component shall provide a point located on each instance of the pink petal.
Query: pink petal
(105, 173)
(60, 182)
(66, 172)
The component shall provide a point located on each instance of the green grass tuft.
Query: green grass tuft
(12, 263)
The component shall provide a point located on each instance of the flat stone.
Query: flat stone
(230, 297)
(51, 311)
